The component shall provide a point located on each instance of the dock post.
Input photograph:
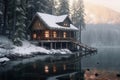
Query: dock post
(61, 45)
(55, 45)
(51, 45)
(42, 44)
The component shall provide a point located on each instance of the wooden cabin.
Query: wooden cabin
(52, 32)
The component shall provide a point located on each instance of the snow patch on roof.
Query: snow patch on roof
(60, 18)
(52, 21)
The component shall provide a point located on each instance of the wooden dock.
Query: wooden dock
(85, 48)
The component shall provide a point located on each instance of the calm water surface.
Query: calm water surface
(105, 59)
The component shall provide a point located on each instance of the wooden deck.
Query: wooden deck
(77, 55)
(85, 48)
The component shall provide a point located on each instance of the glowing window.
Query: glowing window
(47, 34)
(54, 68)
(46, 69)
(65, 24)
(39, 24)
(38, 37)
(34, 36)
(64, 66)
(64, 34)
(34, 65)
(54, 34)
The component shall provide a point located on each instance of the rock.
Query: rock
(88, 69)
(96, 74)
(118, 75)
(98, 63)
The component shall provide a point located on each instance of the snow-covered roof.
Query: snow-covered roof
(51, 21)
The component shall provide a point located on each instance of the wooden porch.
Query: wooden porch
(53, 35)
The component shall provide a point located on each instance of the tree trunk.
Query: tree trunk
(5, 16)
(14, 18)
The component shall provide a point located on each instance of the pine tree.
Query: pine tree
(77, 16)
(60, 7)
(55, 7)
(33, 6)
(64, 7)
(20, 24)
(42, 6)
(11, 17)
(5, 16)
(81, 14)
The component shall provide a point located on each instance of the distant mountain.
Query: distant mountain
(96, 14)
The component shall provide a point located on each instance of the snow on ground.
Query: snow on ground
(4, 59)
(60, 51)
(6, 48)
(4, 40)
(5, 45)
(29, 48)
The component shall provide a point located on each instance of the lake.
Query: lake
(107, 58)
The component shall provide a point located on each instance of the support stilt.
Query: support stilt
(51, 45)
(55, 45)
(42, 44)
(67, 45)
(61, 45)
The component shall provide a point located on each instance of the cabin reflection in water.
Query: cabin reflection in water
(57, 68)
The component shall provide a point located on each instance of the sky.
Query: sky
(113, 4)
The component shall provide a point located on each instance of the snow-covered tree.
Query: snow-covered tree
(60, 7)
(77, 15)
(81, 20)
(19, 34)
(33, 6)
(11, 17)
(64, 7)
(43, 6)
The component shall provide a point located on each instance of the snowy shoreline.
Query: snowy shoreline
(27, 50)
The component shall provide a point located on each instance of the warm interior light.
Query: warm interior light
(64, 34)
(34, 36)
(47, 34)
(54, 68)
(65, 24)
(64, 66)
(39, 37)
(54, 34)
(34, 65)
(46, 69)
(39, 24)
